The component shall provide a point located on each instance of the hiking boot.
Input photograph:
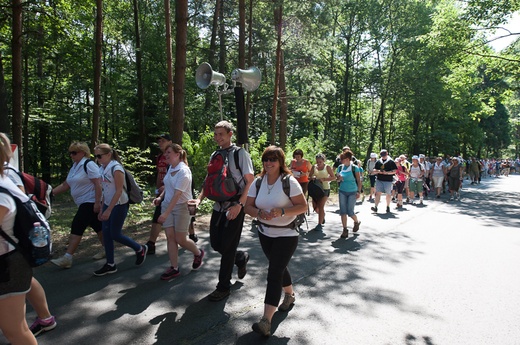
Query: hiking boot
(288, 301)
(197, 260)
(106, 269)
(63, 262)
(39, 326)
(356, 226)
(99, 256)
(263, 327)
(141, 255)
(374, 209)
(170, 273)
(344, 234)
(388, 209)
(242, 270)
(151, 247)
(218, 295)
(194, 237)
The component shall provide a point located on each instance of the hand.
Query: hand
(104, 215)
(275, 212)
(157, 201)
(233, 211)
(194, 201)
(265, 215)
(97, 207)
(162, 218)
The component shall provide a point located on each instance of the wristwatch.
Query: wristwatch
(239, 203)
(283, 213)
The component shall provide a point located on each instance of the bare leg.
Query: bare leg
(38, 299)
(13, 323)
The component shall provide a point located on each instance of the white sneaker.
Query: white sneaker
(99, 255)
(64, 262)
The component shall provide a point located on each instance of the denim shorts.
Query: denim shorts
(347, 201)
(384, 186)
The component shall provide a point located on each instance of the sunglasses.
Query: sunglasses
(73, 153)
(101, 155)
(269, 159)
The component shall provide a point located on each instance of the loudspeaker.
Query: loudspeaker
(205, 76)
(250, 78)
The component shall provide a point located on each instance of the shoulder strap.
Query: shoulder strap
(237, 159)
(286, 184)
(258, 183)
(85, 165)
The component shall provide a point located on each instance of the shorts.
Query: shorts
(347, 201)
(384, 186)
(399, 187)
(416, 186)
(84, 218)
(179, 218)
(437, 181)
(15, 275)
(372, 180)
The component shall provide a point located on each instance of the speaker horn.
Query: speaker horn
(250, 78)
(205, 76)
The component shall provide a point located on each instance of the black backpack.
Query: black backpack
(27, 214)
(132, 189)
(286, 185)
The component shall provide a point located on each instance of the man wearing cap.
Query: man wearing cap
(163, 141)
(385, 169)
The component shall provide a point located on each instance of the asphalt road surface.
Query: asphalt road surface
(443, 273)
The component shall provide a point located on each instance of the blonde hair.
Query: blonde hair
(5, 152)
(80, 146)
(105, 148)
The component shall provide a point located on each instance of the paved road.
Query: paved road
(444, 273)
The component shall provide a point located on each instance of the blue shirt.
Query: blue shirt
(349, 183)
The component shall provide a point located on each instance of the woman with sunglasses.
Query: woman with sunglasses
(84, 183)
(275, 212)
(175, 217)
(114, 208)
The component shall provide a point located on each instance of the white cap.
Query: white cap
(415, 157)
(373, 155)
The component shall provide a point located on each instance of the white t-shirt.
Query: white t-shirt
(11, 172)
(438, 169)
(415, 172)
(81, 188)
(108, 184)
(177, 178)
(8, 220)
(270, 197)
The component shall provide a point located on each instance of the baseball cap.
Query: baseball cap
(383, 152)
(415, 157)
(373, 155)
(164, 136)
(421, 156)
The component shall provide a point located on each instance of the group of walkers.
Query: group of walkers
(275, 198)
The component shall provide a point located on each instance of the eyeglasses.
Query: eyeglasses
(101, 155)
(73, 153)
(269, 159)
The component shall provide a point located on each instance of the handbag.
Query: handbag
(315, 189)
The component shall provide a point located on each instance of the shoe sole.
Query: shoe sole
(257, 329)
(46, 329)
(145, 248)
(62, 266)
(201, 261)
(217, 299)
(244, 268)
(170, 277)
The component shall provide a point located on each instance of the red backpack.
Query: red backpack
(219, 184)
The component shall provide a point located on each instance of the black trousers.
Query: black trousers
(224, 238)
(279, 251)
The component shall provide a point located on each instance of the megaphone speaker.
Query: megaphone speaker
(205, 76)
(249, 78)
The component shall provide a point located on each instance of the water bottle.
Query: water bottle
(39, 236)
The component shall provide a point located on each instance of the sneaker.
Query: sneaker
(39, 326)
(106, 269)
(374, 209)
(194, 237)
(218, 295)
(388, 209)
(64, 262)
(421, 202)
(438, 196)
(197, 260)
(99, 256)
(263, 327)
(141, 255)
(170, 273)
(151, 248)
(344, 234)
(318, 227)
(288, 301)
(243, 269)
(451, 198)
(356, 226)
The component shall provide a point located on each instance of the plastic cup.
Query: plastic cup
(192, 208)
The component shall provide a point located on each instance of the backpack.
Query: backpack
(286, 185)
(85, 165)
(37, 190)
(132, 189)
(27, 214)
(219, 184)
(315, 190)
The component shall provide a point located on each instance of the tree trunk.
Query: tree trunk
(140, 91)
(181, 19)
(278, 10)
(43, 142)
(283, 104)
(167, 19)
(222, 42)
(4, 110)
(97, 73)
(212, 49)
(242, 34)
(16, 47)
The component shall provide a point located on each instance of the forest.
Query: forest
(411, 76)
